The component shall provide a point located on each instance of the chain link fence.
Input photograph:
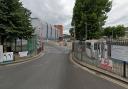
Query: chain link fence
(31, 46)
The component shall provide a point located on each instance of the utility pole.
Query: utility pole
(51, 32)
(74, 32)
(47, 32)
(55, 33)
(86, 30)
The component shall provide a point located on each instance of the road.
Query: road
(52, 71)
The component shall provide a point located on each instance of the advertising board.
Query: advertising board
(7, 56)
(23, 54)
(119, 52)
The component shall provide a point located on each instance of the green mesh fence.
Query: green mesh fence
(32, 45)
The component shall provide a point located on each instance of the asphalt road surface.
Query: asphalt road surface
(52, 71)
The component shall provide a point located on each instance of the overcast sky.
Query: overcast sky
(60, 11)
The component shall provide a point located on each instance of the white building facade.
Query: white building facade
(44, 30)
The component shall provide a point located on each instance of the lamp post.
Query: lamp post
(51, 32)
(55, 34)
(112, 34)
(47, 33)
(74, 32)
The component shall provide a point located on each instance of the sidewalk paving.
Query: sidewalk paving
(22, 59)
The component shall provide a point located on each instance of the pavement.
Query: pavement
(52, 71)
(22, 60)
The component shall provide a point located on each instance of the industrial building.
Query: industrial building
(45, 31)
(60, 28)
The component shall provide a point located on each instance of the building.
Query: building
(126, 33)
(60, 28)
(44, 30)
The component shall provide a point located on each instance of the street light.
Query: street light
(47, 32)
(74, 32)
(86, 37)
(55, 33)
(51, 32)
(112, 34)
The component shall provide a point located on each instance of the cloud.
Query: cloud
(118, 14)
(51, 11)
(60, 11)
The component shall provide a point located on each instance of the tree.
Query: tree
(108, 31)
(14, 21)
(114, 31)
(71, 31)
(120, 31)
(89, 16)
(3, 20)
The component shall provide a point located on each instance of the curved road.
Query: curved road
(52, 71)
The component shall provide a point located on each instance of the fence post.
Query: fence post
(21, 45)
(124, 69)
(81, 55)
(109, 43)
(72, 46)
(15, 45)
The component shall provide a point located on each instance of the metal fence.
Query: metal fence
(33, 45)
(96, 56)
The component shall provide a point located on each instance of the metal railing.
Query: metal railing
(119, 67)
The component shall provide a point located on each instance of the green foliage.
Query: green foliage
(115, 32)
(71, 31)
(14, 20)
(90, 14)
